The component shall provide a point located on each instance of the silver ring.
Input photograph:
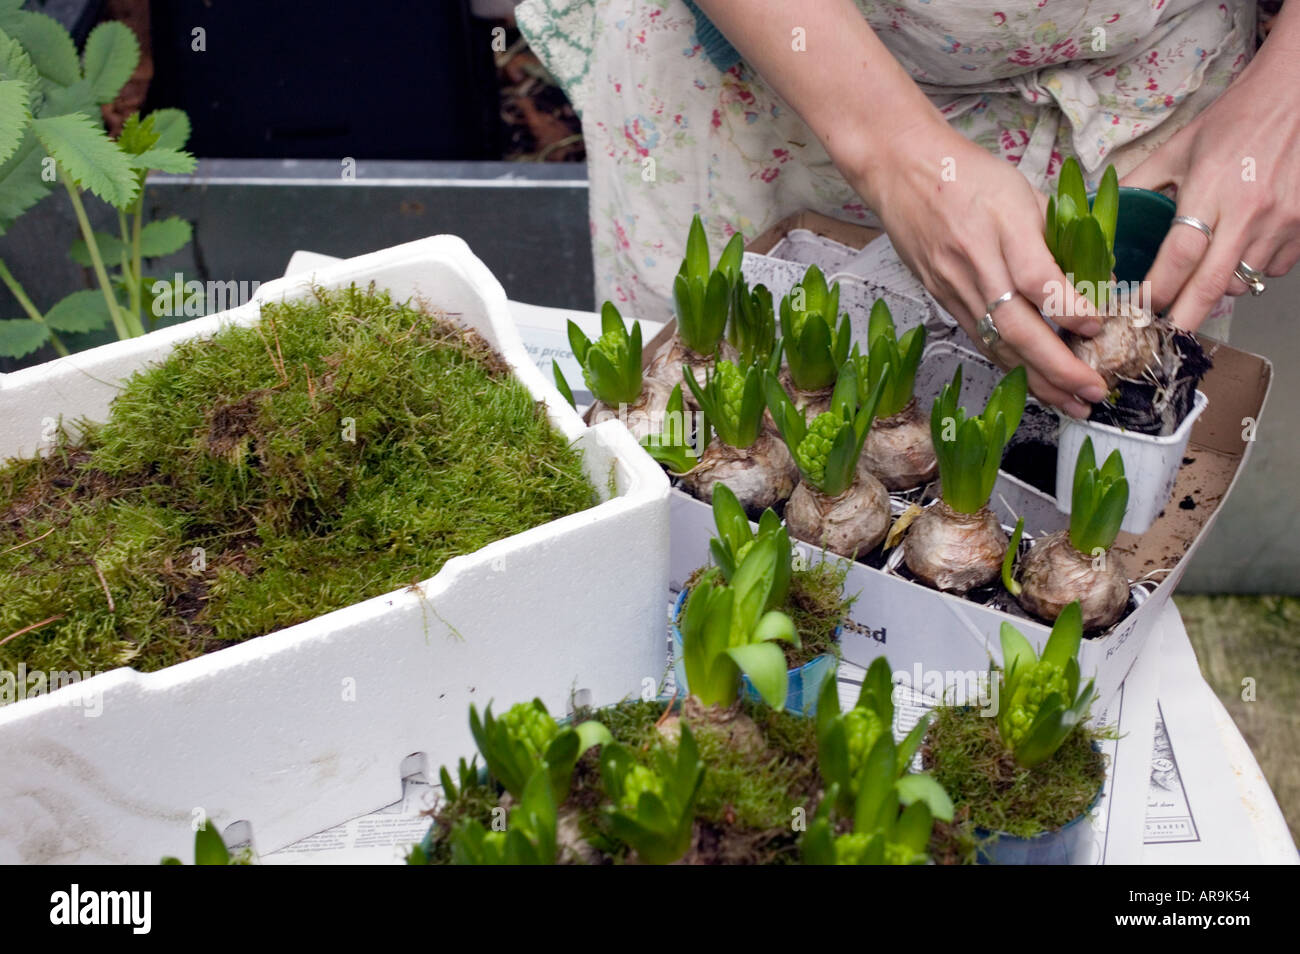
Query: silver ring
(1252, 278)
(1195, 223)
(985, 328)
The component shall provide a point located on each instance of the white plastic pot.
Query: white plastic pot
(1150, 463)
(299, 729)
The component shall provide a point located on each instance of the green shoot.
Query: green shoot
(735, 540)
(530, 835)
(1009, 560)
(50, 100)
(732, 400)
(653, 809)
(970, 449)
(526, 739)
(827, 450)
(727, 630)
(1081, 235)
(672, 446)
(1040, 703)
(210, 849)
(752, 331)
(845, 741)
(1098, 502)
(701, 295)
(815, 345)
(887, 350)
(611, 365)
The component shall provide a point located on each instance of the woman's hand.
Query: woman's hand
(971, 227)
(1235, 168)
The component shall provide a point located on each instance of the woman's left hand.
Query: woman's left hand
(1235, 168)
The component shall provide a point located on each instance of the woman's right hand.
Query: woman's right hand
(971, 227)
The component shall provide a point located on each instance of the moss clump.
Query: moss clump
(342, 447)
(966, 755)
(817, 605)
(746, 805)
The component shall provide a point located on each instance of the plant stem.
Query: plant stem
(128, 274)
(114, 312)
(34, 313)
(137, 268)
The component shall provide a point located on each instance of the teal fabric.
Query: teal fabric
(716, 46)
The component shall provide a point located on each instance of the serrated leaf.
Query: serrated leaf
(48, 44)
(21, 185)
(137, 135)
(14, 116)
(172, 127)
(165, 237)
(79, 312)
(77, 98)
(164, 160)
(110, 57)
(21, 336)
(88, 156)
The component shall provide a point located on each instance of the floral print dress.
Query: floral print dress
(673, 128)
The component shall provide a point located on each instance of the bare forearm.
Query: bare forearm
(836, 74)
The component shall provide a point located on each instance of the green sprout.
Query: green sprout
(210, 849)
(611, 365)
(845, 740)
(1040, 700)
(970, 449)
(827, 450)
(815, 346)
(888, 351)
(672, 446)
(525, 739)
(732, 400)
(1009, 560)
(752, 331)
(888, 827)
(529, 837)
(1081, 235)
(735, 540)
(1098, 501)
(727, 630)
(702, 296)
(653, 809)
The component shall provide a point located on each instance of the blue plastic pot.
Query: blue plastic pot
(804, 683)
(1067, 845)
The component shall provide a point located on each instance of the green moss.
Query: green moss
(817, 605)
(965, 753)
(342, 447)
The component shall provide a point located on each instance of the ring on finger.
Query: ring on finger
(1252, 278)
(985, 328)
(1195, 223)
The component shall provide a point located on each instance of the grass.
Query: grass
(342, 447)
(965, 754)
(1257, 638)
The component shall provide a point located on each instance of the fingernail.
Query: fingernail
(1093, 393)
(1090, 328)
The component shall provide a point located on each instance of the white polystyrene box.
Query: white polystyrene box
(264, 731)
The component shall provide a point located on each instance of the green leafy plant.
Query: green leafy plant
(653, 809)
(611, 365)
(527, 738)
(970, 449)
(1098, 500)
(52, 132)
(827, 450)
(846, 739)
(732, 400)
(702, 294)
(815, 336)
(672, 446)
(901, 356)
(735, 540)
(1081, 235)
(210, 849)
(752, 331)
(528, 839)
(1040, 702)
(727, 630)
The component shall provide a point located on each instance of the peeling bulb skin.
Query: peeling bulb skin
(666, 369)
(762, 475)
(953, 551)
(899, 452)
(1127, 345)
(811, 403)
(852, 524)
(643, 416)
(1053, 574)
